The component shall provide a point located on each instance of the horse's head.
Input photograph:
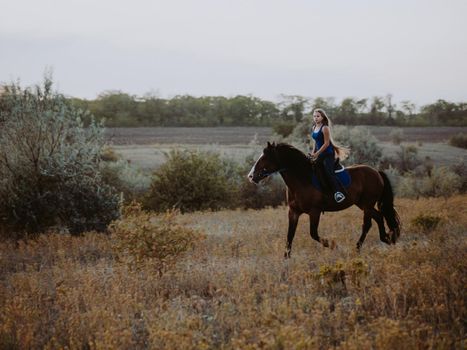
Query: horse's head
(267, 164)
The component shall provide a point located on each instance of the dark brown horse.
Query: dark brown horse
(368, 188)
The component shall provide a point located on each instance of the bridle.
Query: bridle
(263, 174)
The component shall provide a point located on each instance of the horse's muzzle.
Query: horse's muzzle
(252, 179)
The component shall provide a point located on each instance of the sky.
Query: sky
(413, 49)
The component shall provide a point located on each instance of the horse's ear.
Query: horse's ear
(269, 144)
(273, 144)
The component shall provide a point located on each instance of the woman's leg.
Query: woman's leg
(328, 162)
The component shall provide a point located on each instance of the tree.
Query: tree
(293, 107)
(347, 112)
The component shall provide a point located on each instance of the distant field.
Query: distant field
(244, 135)
(196, 136)
(146, 147)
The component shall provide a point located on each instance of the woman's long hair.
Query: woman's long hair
(341, 151)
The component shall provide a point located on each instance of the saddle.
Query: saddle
(321, 180)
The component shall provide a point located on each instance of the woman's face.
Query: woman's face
(317, 118)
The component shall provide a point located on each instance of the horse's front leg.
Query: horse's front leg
(314, 223)
(293, 221)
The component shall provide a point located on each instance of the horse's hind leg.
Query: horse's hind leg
(314, 222)
(365, 227)
(378, 217)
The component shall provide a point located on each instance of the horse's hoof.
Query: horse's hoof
(359, 246)
(325, 242)
(385, 239)
(287, 254)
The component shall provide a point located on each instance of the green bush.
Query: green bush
(407, 158)
(270, 193)
(459, 140)
(283, 128)
(364, 148)
(460, 169)
(139, 236)
(191, 181)
(442, 182)
(49, 165)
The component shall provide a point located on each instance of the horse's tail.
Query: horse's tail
(386, 206)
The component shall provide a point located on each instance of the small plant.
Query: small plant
(109, 155)
(459, 140)
(357, 269)
(426, 222)
(396, 136)
(140, 236)
(332, 278)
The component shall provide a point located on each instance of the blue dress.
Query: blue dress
(318, 136)
(327, 157)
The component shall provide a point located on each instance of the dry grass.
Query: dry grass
(236, 291)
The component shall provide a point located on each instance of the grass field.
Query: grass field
(235, 291)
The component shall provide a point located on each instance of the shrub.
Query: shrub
(140, 236)
(396, 136)
(283, 128)
(459, 140)
(407, 158)
(363, 145)
(49, 165)
(460, 169)
(270, 193)
(335, 277)
(441, 182)
(426, 222)
(192, 181)
(109, 155)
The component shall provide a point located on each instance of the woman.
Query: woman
(326, 150)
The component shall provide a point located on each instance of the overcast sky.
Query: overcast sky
(414, 50)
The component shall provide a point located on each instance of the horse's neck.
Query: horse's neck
(291, 180)
(296, 175)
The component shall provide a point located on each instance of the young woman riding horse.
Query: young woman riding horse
(368, 188)
(325, 151)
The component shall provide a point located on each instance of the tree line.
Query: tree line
(121, 109)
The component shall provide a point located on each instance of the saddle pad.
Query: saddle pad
(342, 174)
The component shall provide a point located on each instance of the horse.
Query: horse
(368, 187)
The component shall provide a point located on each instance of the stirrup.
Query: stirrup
(339, 197)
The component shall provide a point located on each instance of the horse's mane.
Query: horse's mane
(295, 160)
